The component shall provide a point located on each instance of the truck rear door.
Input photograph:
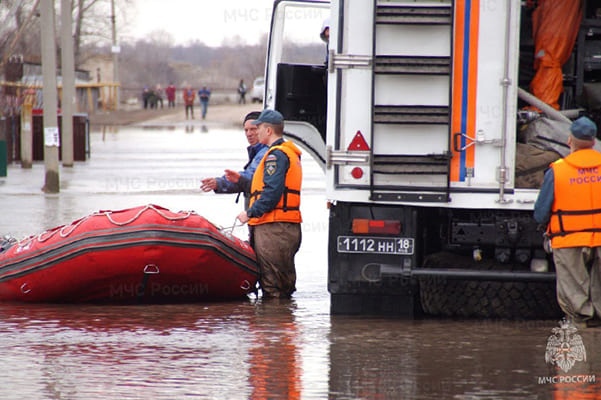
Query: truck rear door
(393, 59)
(296, 78)
(417, 106)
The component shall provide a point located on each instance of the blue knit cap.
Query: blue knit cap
(584, 129)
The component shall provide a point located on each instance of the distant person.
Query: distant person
(159, 94)
(324, 34)
(274, 215)
(152, 99)
(255, 151)
(242, 92)
(189, 97)
(170, 92)
(146, 94)
(569, 204)
(203, 95)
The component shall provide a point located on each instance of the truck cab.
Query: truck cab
(434, 123)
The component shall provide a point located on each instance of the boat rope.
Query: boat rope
(66, 230)
(229, 230)
(108, 214)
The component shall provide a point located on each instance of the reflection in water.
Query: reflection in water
(159, 127)
(55, 209)
(432, 359)
(114, 352)
(274, 355)
(189, 129)
(234, 350)
(271, 350)
(108, 129)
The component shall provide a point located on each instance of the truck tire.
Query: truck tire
(442, 296)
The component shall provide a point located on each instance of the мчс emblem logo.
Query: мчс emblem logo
(564, 346)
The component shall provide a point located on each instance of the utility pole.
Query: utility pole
(116, 50)
(51, 133)
(68, 74)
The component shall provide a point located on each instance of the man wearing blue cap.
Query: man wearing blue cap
(274, 215)
(569, 203)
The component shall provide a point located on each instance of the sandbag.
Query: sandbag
(549, 135)
(530, 165)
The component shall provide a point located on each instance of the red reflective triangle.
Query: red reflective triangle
(358, 142)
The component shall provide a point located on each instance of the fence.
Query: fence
(90, 97)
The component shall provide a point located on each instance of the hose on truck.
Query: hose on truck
(541, 105)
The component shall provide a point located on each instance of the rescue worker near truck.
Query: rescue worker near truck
(274, 215)
(324, 34)
(569, 203)
(255, 151)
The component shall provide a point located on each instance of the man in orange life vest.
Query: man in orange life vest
(569, 203)
(274, 215)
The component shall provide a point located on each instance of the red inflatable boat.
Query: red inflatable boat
(145, 254)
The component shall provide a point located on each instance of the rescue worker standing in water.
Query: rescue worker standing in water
(274, 215)
(570, 203)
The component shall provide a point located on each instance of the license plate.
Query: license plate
(375, 245)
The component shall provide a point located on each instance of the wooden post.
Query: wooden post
(90, 100)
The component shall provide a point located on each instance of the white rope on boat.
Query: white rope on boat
(66, 230)
(229, 230)
(147, 207)
(63, 231)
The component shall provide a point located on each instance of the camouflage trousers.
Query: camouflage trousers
(578, 272)
(275, 245)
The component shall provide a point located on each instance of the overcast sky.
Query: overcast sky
(208, 21)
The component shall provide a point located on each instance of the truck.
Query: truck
(434, 122)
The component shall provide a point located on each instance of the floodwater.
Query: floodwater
(245, 349)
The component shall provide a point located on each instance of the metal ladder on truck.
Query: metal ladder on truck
(411, 94)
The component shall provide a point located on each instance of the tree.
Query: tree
(19, 30)
(92, 23)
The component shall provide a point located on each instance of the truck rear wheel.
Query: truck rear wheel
(442, 296)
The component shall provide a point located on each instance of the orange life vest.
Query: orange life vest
(576, 211)
(288, 207)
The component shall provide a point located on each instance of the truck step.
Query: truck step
(415, 197)
(432, 164)
(412, 65)
(390, 13)
(386, 169)
(438, 115)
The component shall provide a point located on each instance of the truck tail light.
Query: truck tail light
(381, 226)
(357, 173)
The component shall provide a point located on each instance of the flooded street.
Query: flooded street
(244, 349)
